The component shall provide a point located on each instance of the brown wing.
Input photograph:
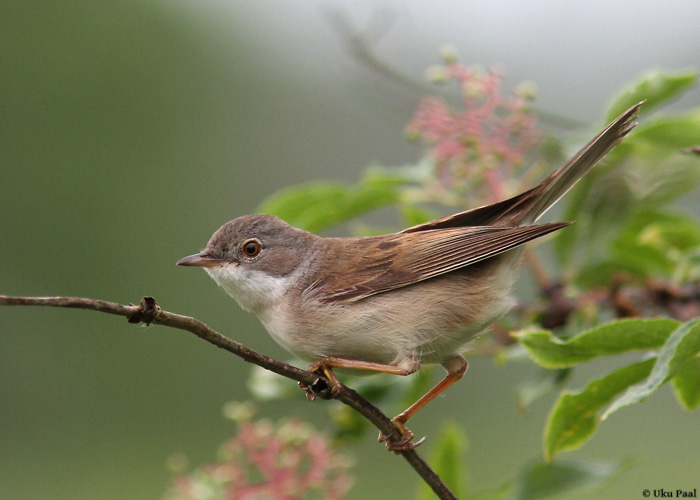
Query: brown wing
(424, 255)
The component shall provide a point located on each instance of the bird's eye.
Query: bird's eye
(251, 248)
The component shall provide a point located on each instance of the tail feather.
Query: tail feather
(529, 206)
(549, 191)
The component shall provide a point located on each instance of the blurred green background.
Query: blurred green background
(132, 130)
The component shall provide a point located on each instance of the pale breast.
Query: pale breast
(429, 321)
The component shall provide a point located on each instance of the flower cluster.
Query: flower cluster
(285, 461)
(476, 148)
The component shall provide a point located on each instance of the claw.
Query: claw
(310, 396)
(325, 387)
(405, 443)
(419, 442)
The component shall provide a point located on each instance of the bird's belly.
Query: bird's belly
(428, 321)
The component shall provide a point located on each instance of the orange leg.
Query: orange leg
(326, 365)
(455, 366)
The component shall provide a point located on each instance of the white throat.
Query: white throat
(254, 290)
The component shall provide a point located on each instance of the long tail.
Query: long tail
(529, 206)
(550, 190)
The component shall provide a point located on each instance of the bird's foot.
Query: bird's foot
(403, 444)
(325, 387)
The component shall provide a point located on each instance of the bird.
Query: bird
(393, 302)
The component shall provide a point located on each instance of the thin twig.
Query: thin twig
(149, 312)
(360, 45)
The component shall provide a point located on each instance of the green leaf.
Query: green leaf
(667, 229)
(601, 274)
(655, 169)
(656, 87)
(574, 420)
(320, 205)
(681, 346)
(613, 338)
(647, 169)
(686, 384)
(542, 480)
(682, 234)
(652, 242)
(447, 459)
(600, 205)
(640, 255)
(672, 133)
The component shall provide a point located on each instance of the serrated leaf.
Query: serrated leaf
(656, 88)
(547, 480)
(686, 384)
(447, 459)
(320, 205)
(682, 345)
(573, 419)
(613, 338)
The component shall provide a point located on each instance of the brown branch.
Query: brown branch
(149, 312)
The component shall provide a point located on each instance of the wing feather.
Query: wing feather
(385, 264)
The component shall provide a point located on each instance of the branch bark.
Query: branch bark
(149, 312)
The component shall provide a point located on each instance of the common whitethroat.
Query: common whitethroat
(391, 303)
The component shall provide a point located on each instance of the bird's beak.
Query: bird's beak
(201, 259)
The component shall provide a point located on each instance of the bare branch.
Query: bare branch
(149, 312)
(361, 45)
